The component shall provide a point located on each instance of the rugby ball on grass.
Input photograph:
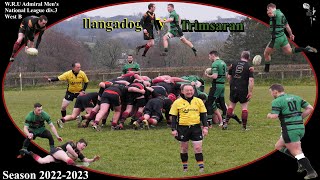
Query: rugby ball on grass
(32, 51)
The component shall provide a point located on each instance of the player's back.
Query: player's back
(240, 74)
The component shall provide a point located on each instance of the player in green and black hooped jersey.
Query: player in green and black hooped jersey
(28, 27)
(216, 92)
(148, 21)
(287, 108)
(35, 127)
(131, 66)
(175, 30)
(241, 80)
(278, 23)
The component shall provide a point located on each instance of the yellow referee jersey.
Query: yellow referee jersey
(75, 83)
(188, 113)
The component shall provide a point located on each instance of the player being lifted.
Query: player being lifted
(175, 30)
(147, 21)
(28, 27)
(278, 23)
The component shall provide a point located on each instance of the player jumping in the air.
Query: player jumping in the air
(175, 31)
(28, 27)
(278, 23)
(148, 20)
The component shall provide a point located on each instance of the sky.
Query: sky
(185, 10)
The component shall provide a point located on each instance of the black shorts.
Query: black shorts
(140, 102)
(83, 102)
(149, 35)
(153, 107)
(129, 98)
(110, 98)
(70, 96)
(238, 96)
(186, 133)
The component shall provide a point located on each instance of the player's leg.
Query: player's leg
(92, 115)
(184, 145)
(104, 108)
(288, 50)
(45, 160)
(125, 114)
(25, 145)
(244, 114)
(197, 148)
(64, 105)
(73, 116)
(197, 137)
(267, 55)
(16, 45)
(62, 155)
(230, 110)
(293, 144)
(116, 116)
(209, 104)
(165, 40)
(223, 106)
(47, 134)
(148, 46)
(188, 43)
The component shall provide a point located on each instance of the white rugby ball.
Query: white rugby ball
(32, 51)
(256, 60)
(209, 71)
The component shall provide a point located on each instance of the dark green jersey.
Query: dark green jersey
(277, 24)
(36, 123)
(130, 67)
(176, 20)
(219, 67)
(288, 107)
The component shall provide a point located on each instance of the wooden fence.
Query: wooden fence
(277, 71)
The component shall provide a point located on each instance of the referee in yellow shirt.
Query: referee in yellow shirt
(188, 113)
(77, 84)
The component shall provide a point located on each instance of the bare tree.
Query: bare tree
(108, 53)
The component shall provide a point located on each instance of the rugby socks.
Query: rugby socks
(305, 50)
(229, 114)
(304, 161)
(70, 162)
(267, 66)
(137, 115)
(63, 113)
(165, 49)
(145, 50)
(194, 51)
(35, 156)
(63, 120)
(152, 121)
(92, 115)
(184, 160)
(124, 116)
(199, 159)
(244, 117)
(235, 117)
